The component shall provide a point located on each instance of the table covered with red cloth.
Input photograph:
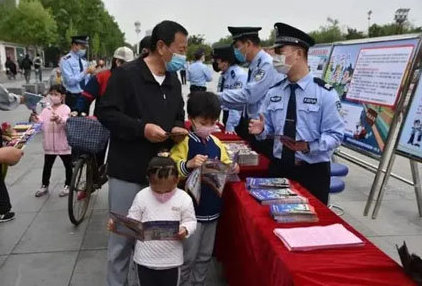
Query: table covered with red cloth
(253, 256)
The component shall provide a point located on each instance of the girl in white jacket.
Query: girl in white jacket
(158, 261)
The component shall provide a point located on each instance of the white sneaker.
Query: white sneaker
(42, 191)
(64, 192)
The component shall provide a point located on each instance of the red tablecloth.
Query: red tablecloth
(252, 255)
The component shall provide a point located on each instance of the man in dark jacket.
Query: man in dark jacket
(142, 104)
(26, 65)
(10, 68)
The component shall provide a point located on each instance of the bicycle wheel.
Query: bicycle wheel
(80, 190)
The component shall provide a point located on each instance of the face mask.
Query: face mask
(176, 63)
(81, 52)
(164, 197)
(204, 131)
(215, 67)
(241, 58)
(55, 100)
(279, 63)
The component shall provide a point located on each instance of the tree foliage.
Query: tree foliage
(196, 42)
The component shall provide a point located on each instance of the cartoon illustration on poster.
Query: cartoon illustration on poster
(368, 124)
(318, 57)
(410, 141)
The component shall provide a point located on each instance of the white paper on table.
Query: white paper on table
(317, 237)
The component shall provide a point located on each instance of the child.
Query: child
(203, 111)
(55, 144)
(158, 261)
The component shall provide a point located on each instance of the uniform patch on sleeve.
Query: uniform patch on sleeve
(310, 100)
(237, 85)
(259, 75)
(233, 74)
(275, 98)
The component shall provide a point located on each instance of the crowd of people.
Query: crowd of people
(276, 105)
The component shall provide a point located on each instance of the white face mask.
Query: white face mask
(279, 63)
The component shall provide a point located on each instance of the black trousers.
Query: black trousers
(315, 178)
(264, 147)
(151, 277)
(5, 205)
(194, 88)
(77, 102)
(48, 165)
(225, 116)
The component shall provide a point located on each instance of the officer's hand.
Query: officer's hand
(298, 146)
(256, 126)
(183, 232)
(196, 161)
(154, 133)
(178, 134)
(10, 155)
(230, 132)
(90, 70)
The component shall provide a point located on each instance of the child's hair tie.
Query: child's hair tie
(163, 154)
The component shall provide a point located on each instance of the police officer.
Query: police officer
(261, 76)
(198, 73)
(76, 73)
(232, 77)
(303, 113)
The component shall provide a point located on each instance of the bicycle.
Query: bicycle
(86, 179)
(87, 137)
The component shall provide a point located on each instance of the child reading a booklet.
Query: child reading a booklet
(158, 259)
(203, 111)
(53, 119)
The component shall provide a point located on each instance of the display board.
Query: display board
(369, 78)
(410, 140)
(318, 57)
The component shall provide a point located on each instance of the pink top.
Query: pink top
(55, 140)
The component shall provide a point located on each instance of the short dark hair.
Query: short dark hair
(253, 38)
(57, 87)
(204, 104)
(161, 168)
(145, 43)
(166, 31)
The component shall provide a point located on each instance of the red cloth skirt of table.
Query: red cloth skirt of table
(253, 256)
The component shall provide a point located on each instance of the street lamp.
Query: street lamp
(369, 20)
(400, 17)
(137, 29)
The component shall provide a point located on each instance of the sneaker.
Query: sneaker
(7, 216)
(64, 192)
(42, 191)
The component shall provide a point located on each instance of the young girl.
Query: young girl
(158, 261)
(55, 144)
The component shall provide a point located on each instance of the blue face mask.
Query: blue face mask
(239, 56)
(177, 62)
(81, 52)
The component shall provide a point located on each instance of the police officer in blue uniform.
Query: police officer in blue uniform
(261, 76)
(198, 73)
(76, 73)
(232, 77)
(303, 113)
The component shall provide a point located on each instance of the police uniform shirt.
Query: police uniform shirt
(319, 121)
(262, 77)
(71, 72)
(234, 78)
(199, 74)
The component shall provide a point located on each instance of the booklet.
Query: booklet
(277, 196)
(32, 99)
(145, 231)
(252, 183)
(289, 209)
(213, 172)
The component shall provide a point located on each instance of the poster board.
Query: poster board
(318, 57)
(409, 144)
(369, 78)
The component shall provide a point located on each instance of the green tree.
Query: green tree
(29, 24)
(392, 29)
(95, 46)
(329, 33)
(227, 40)
(353, 34)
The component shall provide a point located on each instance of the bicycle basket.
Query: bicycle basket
(86, 134)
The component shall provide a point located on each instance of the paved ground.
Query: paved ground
(41, 247)
(20, 80)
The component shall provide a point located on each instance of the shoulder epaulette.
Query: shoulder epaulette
(233, 74)
(322, 83)
(66, 57)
